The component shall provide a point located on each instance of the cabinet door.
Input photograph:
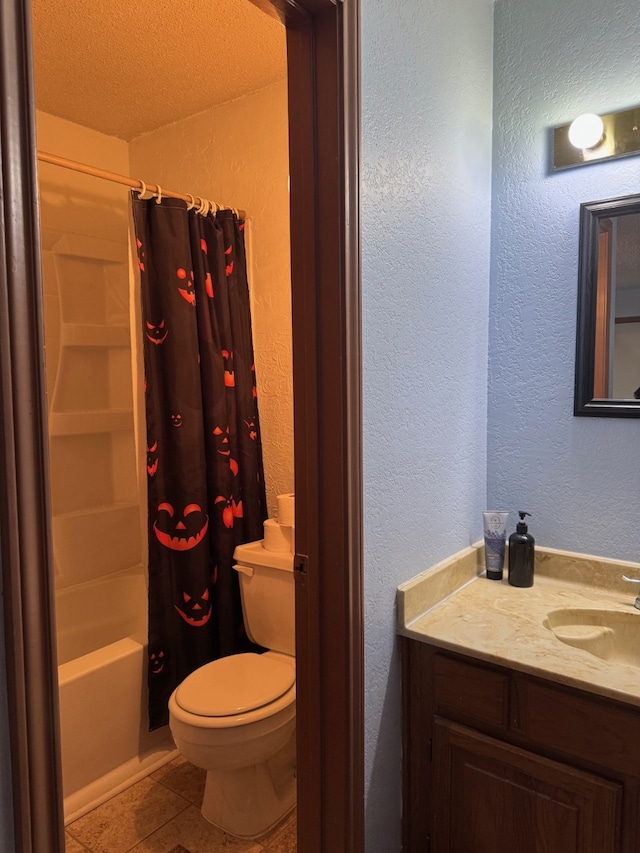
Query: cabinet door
(490, 796)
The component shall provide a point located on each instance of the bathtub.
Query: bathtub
(105, 742)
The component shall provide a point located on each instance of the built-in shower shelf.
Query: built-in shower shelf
(78, 335)
(84, 423)
(96, 541)
(67, 244)
(103, 509)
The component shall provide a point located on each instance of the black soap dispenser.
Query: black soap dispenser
(521, 554)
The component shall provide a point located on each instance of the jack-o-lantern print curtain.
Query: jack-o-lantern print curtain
(204, 460)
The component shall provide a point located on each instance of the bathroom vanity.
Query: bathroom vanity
(513, 739)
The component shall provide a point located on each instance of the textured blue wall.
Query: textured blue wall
(426, 149)
(580, 477)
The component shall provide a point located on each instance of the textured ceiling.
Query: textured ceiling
(126, 68)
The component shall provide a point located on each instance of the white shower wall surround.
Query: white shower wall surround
(96, 497)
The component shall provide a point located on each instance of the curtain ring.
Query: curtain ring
(158, 194)
(192, 203)
(143, 188)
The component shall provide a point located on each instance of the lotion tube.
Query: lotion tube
(495, 538)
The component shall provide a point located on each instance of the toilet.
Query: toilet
(236, 716)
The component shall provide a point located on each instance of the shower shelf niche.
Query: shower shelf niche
(96, 519)
(83, 423)
(94, 335)
(96, 541)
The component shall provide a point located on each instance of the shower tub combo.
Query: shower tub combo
(105, 740)
(97, 491)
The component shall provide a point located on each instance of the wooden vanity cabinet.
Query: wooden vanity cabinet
(496, 760)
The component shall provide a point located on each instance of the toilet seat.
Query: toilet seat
(234, 685)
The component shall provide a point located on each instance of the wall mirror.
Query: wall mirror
(608, 335)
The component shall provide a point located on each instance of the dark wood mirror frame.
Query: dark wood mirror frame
(592, 332)
(323, 58)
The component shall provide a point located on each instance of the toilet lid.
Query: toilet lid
(235, 684)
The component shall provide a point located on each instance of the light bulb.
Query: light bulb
(586, 131)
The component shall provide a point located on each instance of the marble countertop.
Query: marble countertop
(452, 607)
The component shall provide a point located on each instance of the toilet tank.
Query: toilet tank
(268, 596)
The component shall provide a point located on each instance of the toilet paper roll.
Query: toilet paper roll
(274, 538)
(286, 510)
(289, 534)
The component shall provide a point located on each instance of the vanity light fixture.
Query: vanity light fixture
(592, 138)
(586, 131)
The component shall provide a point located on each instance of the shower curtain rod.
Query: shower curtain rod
(135, 184)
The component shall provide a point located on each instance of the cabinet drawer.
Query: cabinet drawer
(579, 726)
(471, 691)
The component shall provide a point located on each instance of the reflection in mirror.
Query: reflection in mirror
(608, 338)
(617, 368)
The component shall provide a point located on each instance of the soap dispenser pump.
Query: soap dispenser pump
(521, 554)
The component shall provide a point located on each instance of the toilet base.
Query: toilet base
(250, 801)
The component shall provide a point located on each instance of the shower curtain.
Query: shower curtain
(205, 476)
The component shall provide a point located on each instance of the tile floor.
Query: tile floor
(159, 813)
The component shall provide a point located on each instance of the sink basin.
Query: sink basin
(608, 634)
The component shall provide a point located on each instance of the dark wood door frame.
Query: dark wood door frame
(27, 576)
(322, 46)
